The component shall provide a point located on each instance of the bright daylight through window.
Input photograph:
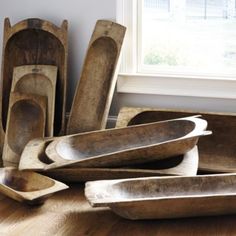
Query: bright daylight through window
(187, 36)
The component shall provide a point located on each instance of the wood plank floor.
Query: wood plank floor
(68, 213)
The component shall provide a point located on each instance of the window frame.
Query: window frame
(130, 80)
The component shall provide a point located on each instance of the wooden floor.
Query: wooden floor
(68, 213)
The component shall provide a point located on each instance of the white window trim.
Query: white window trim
(129, 81)
(126, 16)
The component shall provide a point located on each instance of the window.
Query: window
(157, 5)
(187, 36)
(184, 48)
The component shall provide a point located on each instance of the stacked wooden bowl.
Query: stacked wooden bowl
(33, 84)
(32, 101)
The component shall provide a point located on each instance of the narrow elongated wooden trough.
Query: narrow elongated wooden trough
(35, 158)
(34, 42)
(216, 152)
(165, 197)
(130, 145)
(26, 121)
(40, 80)
(183, 165)
(95, 89)
(27, 186)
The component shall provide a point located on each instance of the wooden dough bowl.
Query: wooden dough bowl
(39, 80)
(166, 197)
(35, 158)
(216, 152)
(27, 186)
(34, 42)
(95, 89)
(184, 165)
(125, 146)
(26, 121)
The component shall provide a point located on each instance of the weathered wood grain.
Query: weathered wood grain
(184, 165)
(117, 146)
(34, 42)
(166, 197)
(26, 120)
(216, 152)
(40, 80)
(95, 88)
(130, 145)
(27, 186)
(34, 158)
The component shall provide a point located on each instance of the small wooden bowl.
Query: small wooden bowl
(184, 165)
(26, 120)
(40, 80)
(27, 186)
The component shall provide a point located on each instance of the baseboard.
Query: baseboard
(111, 122)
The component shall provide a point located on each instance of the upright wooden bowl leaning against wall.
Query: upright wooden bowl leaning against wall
(32, 42)
(96, 86)
(39, 80)
(26, 120)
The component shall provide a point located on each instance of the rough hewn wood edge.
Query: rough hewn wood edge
(61, 33)
(200, 126)
(50, 72)
(16, 97)
(31, 196)
(103, 28)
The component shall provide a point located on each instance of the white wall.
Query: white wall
(81, 15)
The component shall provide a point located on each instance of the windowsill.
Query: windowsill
(204, 87)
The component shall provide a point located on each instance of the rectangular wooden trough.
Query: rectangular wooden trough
(34, 42)
(119, 147)
(183, 165)
(166, 197)
(39, 80)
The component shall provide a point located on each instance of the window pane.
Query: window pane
(189, 35)
(157, 4)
